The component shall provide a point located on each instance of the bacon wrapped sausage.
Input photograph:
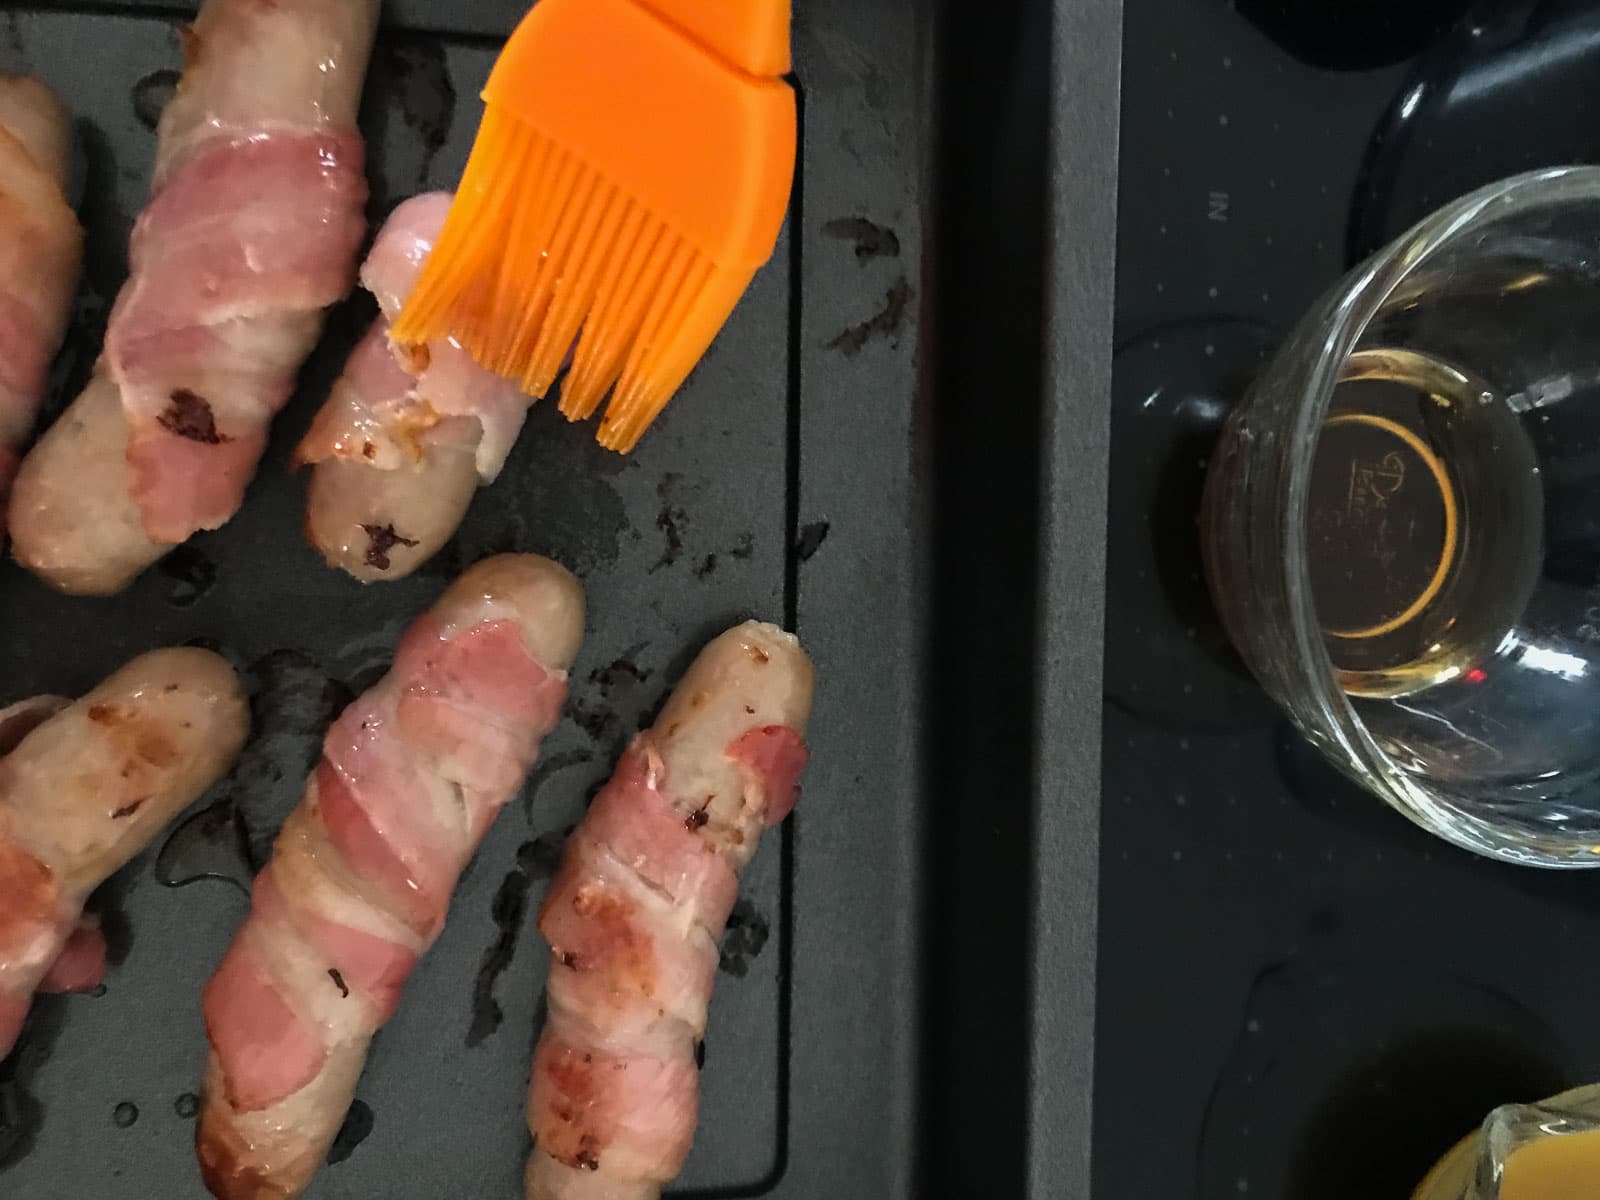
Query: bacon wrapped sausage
(412, 775)
(252, 231)
(85, 787)
(636, 913)
(41, 252)
(406, 436)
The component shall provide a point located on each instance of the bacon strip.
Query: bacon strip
(41, 251)
(251, 232)
(411, 777)
(84, 790)
(406, 435)
(635, 915)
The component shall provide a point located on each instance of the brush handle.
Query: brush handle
(753, 35)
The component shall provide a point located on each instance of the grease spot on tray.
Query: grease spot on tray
(186, 1105)
(152, 94)
(884, 324)
(812, 535)
(670, 520)
(192, 574)
(743, 940)
(21, 1112)
(124, 1115)
(293, 700)
(409, 79)
(871, 239)
(357, 1125)
(508, 911)
(616, 702)
(547, 768)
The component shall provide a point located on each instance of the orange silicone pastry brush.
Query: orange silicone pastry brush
(629, 178)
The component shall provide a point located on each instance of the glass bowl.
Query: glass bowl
(1401, 523)
(1476, 1167)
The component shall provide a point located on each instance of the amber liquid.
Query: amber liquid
(1554, 1168)
(1422, 526)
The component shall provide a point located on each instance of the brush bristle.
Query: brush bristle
(540, 250)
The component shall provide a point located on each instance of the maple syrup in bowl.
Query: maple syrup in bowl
(1402, 522)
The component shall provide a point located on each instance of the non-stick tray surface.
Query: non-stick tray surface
(777, 485)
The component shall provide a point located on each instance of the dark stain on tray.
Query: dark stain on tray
(293, 700)
(508, 911)
(152, 94)
(208, 845)
(21, 1113)
(410, 78)
(109, 903)
(812, 535)
(192, 574)
(744, 547)
(610, 710)
(124, 1115)
(885, 323)
(744, 939)
(187, 1105)
(547, 768)
(670, 520)
(871, 239)
(541, 858)
(357, 1125)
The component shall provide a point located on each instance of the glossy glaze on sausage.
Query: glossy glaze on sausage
(41, 253)
(634, 917)
(83, 789)
(251, 232)
(411, 777)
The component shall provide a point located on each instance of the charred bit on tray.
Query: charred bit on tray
(338, 982)
(885, 323)
(810, 540)
(357, 1125)
(380, 540)
(696, 820)
(152, 94)
(189, 415)
(871, 239)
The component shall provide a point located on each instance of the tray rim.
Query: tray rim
(1085, 116)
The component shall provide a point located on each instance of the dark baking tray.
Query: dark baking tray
(1300, 995)
(779, 484)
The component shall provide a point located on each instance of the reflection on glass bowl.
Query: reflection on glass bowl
(1402, 522)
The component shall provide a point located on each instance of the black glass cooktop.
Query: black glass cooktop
(1300, 995)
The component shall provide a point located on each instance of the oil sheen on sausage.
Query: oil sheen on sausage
(41, 251)
(635, 915)
(411, 777)
(252, 230)
(406, 436)
(84, 789)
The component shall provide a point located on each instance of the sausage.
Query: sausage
(88, 787)
(41, 253)
(636, 913)
(411, 777)
(252, 230)
(406, 436)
